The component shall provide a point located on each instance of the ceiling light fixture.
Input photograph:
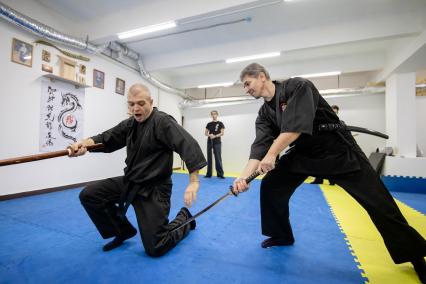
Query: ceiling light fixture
(252, 57)
(323, 74)
(147, 29)
(226, 84)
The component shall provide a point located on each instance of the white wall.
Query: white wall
(421, 123)
(20, 116)
(366, 111)
(170, 104)
(412, 167)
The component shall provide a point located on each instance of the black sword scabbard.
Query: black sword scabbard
(366, 131)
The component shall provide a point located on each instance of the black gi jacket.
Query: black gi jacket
(150, 146)
(298, 107)
(215, 127)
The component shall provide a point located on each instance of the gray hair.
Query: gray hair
(254, 70)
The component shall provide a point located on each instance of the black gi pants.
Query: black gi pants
(217, 151)
(402, 241)
(100, 201)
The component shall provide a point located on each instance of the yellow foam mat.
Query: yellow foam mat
(365, 241)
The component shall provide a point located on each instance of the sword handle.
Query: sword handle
(252, 177)
(248, 180)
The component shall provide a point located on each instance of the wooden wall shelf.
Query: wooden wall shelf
(59, 78)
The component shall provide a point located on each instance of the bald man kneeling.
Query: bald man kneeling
(151, 137)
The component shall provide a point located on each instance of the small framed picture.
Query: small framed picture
(46, 68)
(120, 86)
(22, 52)
(98, 79)
(45, 55)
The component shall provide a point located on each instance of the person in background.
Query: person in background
(214, 130)
(335, 108)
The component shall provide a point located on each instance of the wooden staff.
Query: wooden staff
(31, 158)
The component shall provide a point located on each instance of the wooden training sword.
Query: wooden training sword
(31, 158)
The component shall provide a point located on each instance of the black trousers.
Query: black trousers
(100, 200)
(217, 151)
(402, 241)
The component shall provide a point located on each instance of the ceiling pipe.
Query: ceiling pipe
(46, 32)
(37, 28)
(217, 101)
(329, 93)
(247, 19)
(241, 9)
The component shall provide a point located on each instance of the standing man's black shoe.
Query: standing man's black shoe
(420, 268)
(317, 181)
(118, 240)
(272, 242)
(222, 177)
(207, 176)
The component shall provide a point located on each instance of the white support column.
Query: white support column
(401, 113)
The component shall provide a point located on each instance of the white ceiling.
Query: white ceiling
(312, 35)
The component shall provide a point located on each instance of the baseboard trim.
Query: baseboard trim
(42, 191)
(48, 190)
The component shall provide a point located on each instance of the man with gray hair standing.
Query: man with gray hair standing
(292, 115)
(150, 137)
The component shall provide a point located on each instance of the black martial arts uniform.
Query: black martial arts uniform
(215, 145)
(298, 107)
(146, 182)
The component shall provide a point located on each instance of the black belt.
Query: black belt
(126, 198)
(330, 127)
(130, 191)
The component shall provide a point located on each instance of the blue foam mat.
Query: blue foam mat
(405, 184)
(49, 239)
(416, 201)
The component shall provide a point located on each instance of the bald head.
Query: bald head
(139, 89)
(139, 102)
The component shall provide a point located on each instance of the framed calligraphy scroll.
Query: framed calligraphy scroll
(61, 115)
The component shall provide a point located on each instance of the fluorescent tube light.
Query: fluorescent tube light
(147, 29)
(226, 84)
(252, 57)
(324, 74)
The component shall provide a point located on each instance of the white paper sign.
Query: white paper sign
(61, 115)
